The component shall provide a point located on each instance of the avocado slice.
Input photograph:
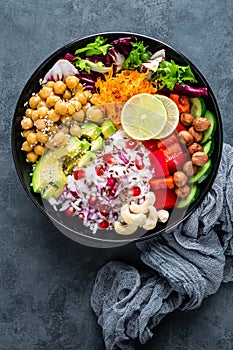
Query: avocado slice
(107, 128)
(91, 130)
(49, 192)
(97, 145)
(85, 145)
(49, 170)
(86, 159)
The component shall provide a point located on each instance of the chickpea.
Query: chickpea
(42, 111)
(28, 112)
(64, 129)
(41, 137)
(26, 147)
(79, 116)
(42, 103)
(25, 133)
(81, 97)
(78, 88)
(51, 100)
(182, 192)
(185, 137)
(26, 123)
(53, 116)
(94, 114)
(35, 115)
(61, 107)
(75, 130)
(34, 100)
(59, 87)
(39, 150)
(32, 138)
(53, 129)
(60, 139)
(72, 81)
(40, 124)
(45, 92)
(50, 84)
(88, 94)
(32, 157)
(65, 119)
(186, 119)
(199, 158)
(197, 135)
(67, 95)
(76, 104)
(71, 109)
(180, 178)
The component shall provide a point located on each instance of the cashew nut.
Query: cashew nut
(143, 208)
(124, 229)
(152, 218)
(163, 215)
(130, 218)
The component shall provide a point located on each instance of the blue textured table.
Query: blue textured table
(46, 279)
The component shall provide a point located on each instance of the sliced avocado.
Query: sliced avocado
(74, 146)
(107, 128)
(58, 193)
(97, 145)
(86, 159)
(91, 130)
(49, 191)
(85, 145)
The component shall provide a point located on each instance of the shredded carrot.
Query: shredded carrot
(121, 87)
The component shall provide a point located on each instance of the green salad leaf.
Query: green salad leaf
(169, 73)
(86, 65)
(98, 47)
(138, 55)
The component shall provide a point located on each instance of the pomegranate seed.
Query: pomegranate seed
(104, 210)
(139, 162)
(103, 224)
(135, 191)
(112, 191)
(131, 144)
(111, 181)
(79, 174)
(70, 211)
(109, 158)
(81, 216)
(99, 170)
(92, 200)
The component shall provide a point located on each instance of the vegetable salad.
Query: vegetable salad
(118, 136)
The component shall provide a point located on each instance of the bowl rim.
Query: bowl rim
(211, 177)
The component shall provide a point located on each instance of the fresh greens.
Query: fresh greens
(169, 73)
(98, 47)
(87, 65)
(138, 55)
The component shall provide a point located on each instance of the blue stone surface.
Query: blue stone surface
(46, 279)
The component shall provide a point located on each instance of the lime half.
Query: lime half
(143, 116)
(172, 116)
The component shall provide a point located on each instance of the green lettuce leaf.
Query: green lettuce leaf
(98, 47)
(138, 55)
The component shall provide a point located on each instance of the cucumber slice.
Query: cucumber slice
(209, 132)
(202, 173)
(208, 147)
(185, 202)
(198, 107)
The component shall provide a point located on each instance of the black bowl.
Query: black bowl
(24, 169)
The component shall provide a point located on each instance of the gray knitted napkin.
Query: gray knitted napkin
(185, 266)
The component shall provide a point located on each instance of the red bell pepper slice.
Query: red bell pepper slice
(162, 183)
(175, 163)
(151, 145)
(182, 102)
(180, 127)
(158, 163)
(165, 199)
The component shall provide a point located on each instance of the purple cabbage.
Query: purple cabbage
(123, 45)
(187, 90)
